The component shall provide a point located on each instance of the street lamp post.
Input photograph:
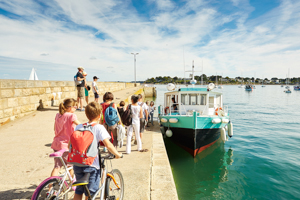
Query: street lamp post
(134, 54)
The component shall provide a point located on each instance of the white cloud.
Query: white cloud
(265, 45)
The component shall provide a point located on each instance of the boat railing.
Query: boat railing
(216, 108)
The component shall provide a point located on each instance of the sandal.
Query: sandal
(143, 150)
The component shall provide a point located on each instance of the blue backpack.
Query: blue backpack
(111, 115)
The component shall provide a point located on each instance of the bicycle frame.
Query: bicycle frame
(105, 174)
(62, 178)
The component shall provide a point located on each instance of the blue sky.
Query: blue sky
(231, 37)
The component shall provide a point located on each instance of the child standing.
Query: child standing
(95, 89)
(65, 122)
(93, 112)
(86, 90)
(137, 114)
(108, 97)
(151, 108)
(121, 108)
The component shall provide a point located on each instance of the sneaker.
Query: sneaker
(82, 109)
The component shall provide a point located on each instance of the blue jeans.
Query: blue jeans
(94, 179)
(151, 115)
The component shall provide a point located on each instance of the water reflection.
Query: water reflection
(202, 173)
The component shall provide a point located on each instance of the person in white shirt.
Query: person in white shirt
(95, 89)
(145, 114)
(137, 114)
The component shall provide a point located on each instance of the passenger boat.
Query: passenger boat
(194, 118)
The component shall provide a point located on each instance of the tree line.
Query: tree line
(225, 80)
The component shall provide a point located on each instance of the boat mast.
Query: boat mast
(183, 65)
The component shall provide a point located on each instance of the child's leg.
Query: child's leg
(137, 135)
(151, 118)
(129, 135)
(55, 171)
(114, 131)
(77, 197)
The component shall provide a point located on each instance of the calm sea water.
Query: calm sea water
(261, 160)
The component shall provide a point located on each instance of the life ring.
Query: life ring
(166, 108)
(217, 110)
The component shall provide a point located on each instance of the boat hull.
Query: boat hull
(194, 141)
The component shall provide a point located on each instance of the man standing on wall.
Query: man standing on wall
(80, 88)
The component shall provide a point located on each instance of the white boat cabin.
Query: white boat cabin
(185, 101)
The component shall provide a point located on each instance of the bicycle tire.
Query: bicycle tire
(109, 192)
(43, 189)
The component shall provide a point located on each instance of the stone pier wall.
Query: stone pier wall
(22, 97)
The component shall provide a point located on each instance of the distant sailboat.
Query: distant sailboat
(287, 87)
(33, 75)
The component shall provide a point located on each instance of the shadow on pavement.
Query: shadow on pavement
(18, 193)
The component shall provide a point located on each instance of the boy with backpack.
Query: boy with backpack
(84, 149)
(111, 117)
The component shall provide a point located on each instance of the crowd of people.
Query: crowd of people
(103, 121)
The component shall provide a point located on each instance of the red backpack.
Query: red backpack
(84, 146)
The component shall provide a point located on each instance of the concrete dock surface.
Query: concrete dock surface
(25, 148)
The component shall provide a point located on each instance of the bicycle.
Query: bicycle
(55, 187)
(111, 186)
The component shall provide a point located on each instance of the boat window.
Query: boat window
(202, 99)
(184, 99)
(193, 99)
(211, 102)
(168, 100)
(218, 100)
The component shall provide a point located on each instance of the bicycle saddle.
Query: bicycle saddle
(82, 181)
(58, 153)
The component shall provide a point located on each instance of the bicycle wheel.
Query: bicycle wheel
(50, 194)
(112, 191)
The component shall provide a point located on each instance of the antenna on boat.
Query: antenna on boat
(193, 81)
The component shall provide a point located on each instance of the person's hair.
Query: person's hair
(92, 110)
(66, 104)
(135, 98)
(122, 103)
(108, 96)
(152, 102)
(147, 102)
(140, 96)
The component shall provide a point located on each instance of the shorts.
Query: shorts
(142, 125)
(94, 179)
(86, 92)
(80, 91)
(57, 161)
(96, 95)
